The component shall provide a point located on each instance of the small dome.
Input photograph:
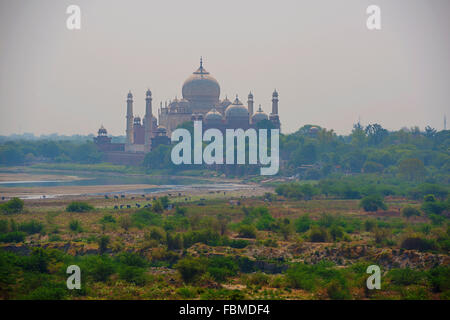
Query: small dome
(250, 96)
(259, 115)
(129, 96)
(275, 93)
(213, 115)
(236, 110)
(148, 93)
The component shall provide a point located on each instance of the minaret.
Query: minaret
(275, 102)
(250, 104)
(274, 118)
(130, 131)
(148, 121)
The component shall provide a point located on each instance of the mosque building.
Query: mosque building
(200, 101)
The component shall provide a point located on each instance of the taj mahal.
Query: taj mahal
(200, 101)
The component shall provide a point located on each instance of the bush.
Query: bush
(319, 234)
(190, 268)
(410, 211)
(145, 217)
(439, 278)
(103, 242)
(303, 223)
(418, 243)
(247, 231)
(131, 259)
(372, 203)
(78, 206)
(107, 218)
(49, 291)
(370, 224)
(221, 268)
(125, 222)
(15, 205)
(258, 279)
(406, 276)
(337, 290)
(31, 227)
(381, 235)
(187, 292)
(99, 268)
(15, 236)
(133, 275)
(75, 226)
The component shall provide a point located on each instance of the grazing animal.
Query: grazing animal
(148, 199)
(143, 196)
(128, 206)
(116, 207)
(122, 196)
(116, 197)
(106, 196)
(121, 206)
(138, 205)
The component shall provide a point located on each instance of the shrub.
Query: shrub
(107, 218)
(99, 268)
(237, 243)
(247, 231)
(187, 292)
(75, 226)
(318, 234)
(133, 275)
(15, 236)
(381, 234)
(303, 223)
(157, 234)
(410, 211)
(416, 242)
(190, 268)
(337, 232)
(131, 259)
(103, 242)
(406, 276)
(145, 217)
(221, 268)
(31, 227)
(439, 278)
(300, 277)
(337, 290)
(15, 205)
(4, 226)
(370, 224)
(258, 278)
(125, 222)
(49, 291)
(78, 206)
(372, 203)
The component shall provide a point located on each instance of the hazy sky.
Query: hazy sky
(328, 68)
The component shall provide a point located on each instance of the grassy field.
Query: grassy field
(222, 246)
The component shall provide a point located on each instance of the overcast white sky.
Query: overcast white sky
(327, 67)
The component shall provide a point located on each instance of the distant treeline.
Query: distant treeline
(311, 153)
(13, 153)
